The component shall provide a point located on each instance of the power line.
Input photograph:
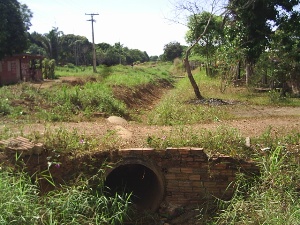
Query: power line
(94, 50)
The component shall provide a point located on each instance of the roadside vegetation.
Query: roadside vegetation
(272, 197)
(78, 99)
(75, 204)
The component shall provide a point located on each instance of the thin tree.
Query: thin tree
(194, 9)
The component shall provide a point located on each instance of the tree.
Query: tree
(118, 54)
(14, 23)
(193, 8)
(284, 53)
(172, 50)
(254, 20)
(50, 42)
(210, 41)
(153, 58)
(74, 49)
(54, 42)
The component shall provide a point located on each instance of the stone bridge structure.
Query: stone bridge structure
(173, 176)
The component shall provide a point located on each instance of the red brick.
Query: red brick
(174, 170)
(148, 151)
(186, 189)
(190, 159)
(194, 177)
(184, 184)
(172, 183)
(220, 166)
(197, 184)
(184, 151)
(209, 184)
(198, 189)
(186, 170)
(172, 151)
(182, 176)
(170, 176)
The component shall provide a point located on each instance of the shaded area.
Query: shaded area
(141, 181)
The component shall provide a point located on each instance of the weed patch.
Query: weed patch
(271, 198)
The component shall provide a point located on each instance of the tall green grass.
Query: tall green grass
(66, 101)
(272, 198)
(21, 204)
(19, 201)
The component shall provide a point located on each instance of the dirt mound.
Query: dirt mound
(143, 96)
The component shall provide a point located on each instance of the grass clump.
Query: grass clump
(64, 141)
(223, 140)
(272, 198)
(72, 142)
(75, 204)
(81, 205)
(66, 101)
(175, 108)
(19, 201)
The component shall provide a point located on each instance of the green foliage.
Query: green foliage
(19, 199)
(91, 93)
(64, 141)
(75, 204)
(69, 101)
(178, 67)
(48, 68)
(80, 205)
(118, 54)
(172, 50)
(175, 108)
(15, 21)
(276, 97)
(210, 41)
(5, 108)
(271, 198)
(74, 49)
(130, 77)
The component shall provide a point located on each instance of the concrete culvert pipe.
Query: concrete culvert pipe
(145, 183)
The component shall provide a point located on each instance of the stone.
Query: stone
(117, 120)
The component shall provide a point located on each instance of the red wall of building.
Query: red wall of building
(18, 68)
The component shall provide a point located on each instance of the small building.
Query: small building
(20, 67)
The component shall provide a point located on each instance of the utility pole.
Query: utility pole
(94, 50)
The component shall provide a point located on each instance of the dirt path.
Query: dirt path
(134, 135)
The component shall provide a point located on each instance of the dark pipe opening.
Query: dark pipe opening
(144, 184)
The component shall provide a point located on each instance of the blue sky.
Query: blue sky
(139, 24)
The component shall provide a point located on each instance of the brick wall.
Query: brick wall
(190, 176)
(185, 176)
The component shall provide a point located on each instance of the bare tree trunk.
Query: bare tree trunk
(249, 72)
(191, 77)
(238, 70)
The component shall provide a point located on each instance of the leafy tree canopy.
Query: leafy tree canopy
(172, 50)
(14, 24)
(252, 21)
